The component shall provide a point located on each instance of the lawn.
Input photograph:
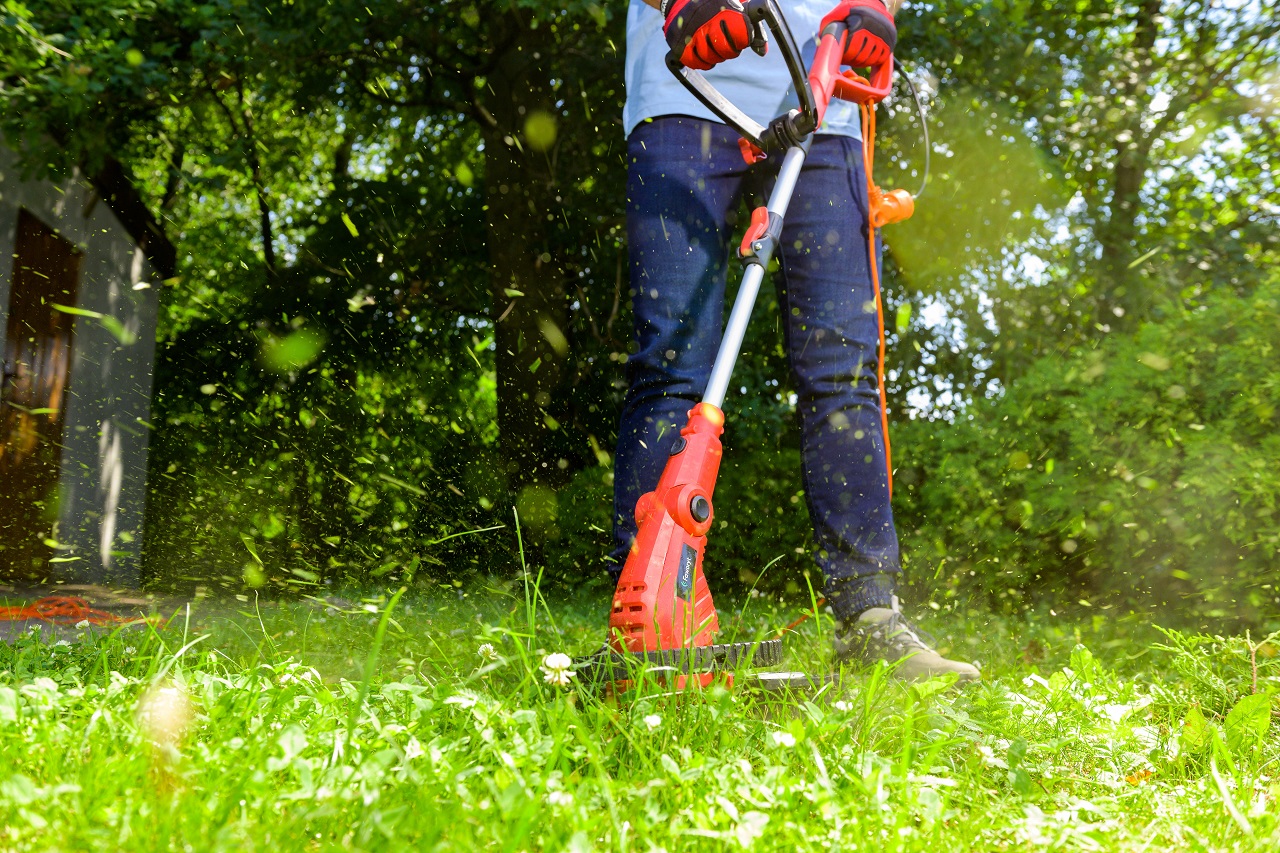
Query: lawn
(428, 722)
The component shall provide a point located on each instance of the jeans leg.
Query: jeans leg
(683, 190)
(832, 341)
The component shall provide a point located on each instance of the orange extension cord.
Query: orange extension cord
(873, 192)
(61, 608)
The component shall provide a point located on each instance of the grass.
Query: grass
(297, 726)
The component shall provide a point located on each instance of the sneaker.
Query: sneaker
(884, 634)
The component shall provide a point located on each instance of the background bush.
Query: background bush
(1144, 465)
(398, 302)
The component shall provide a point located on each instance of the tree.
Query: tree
(351, 173)
(1058, 234)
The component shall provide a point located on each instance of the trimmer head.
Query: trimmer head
(704, 662)
(662, 602)
(663, 615)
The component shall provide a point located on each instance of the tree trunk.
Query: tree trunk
(1123, 300)
(529, 308)
(115, 184)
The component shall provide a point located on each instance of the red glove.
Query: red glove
(708, 31)
(872, 34)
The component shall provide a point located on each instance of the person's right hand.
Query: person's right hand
(707, 31)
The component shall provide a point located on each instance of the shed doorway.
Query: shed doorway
(37, 363)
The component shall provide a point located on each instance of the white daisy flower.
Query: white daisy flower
(556, 669)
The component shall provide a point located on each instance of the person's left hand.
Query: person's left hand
(872, 34)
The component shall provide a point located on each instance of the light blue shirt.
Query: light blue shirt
(759, 86)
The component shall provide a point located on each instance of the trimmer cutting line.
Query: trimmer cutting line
(663, 615)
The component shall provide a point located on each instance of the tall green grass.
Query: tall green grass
(430, 725)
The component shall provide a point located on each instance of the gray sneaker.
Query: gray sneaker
(884, 634)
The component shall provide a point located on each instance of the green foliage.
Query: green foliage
(1093, 161)
(399, 233)
(315, 462)
(328, 386)
(1143, 465)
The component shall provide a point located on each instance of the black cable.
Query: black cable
(924, 124)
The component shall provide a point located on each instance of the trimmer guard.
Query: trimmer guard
(608, 666)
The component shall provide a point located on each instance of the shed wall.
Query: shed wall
(102, 483)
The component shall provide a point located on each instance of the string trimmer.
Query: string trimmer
(662, 612)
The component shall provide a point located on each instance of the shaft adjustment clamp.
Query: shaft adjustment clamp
(762, 236)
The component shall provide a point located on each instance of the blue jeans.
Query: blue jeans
(686, 186)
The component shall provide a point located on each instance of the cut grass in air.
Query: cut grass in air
(431, 724)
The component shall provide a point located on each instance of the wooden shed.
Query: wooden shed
(78, 302)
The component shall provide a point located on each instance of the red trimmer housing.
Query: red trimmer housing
(662, 600)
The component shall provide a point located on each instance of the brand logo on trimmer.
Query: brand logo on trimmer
(684, 578)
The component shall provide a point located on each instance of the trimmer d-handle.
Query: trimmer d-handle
(761, 13)
(815, 87)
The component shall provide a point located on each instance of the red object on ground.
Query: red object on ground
(61, 608)
(662, 601)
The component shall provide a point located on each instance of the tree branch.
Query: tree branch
(255, 171)
(115, 185)
(174, 179)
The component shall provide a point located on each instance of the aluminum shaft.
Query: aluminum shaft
(736, 329)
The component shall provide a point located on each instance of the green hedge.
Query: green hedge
(1146, 467)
